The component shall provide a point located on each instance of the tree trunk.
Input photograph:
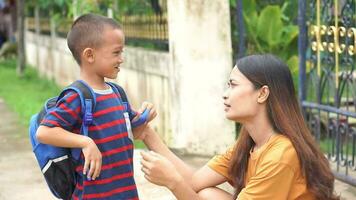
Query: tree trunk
(38, 32)
(21, 37)
(156, 7)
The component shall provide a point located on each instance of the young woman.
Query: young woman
(275, 156)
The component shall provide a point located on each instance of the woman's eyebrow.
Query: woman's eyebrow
(232, 80)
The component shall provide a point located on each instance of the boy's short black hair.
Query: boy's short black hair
(87, 31)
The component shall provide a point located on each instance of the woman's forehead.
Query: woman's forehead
(236, 74)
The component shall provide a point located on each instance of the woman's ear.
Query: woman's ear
(263, 94)
(88, 55)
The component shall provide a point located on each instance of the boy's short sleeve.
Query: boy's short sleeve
(66, 113)
(132, 112)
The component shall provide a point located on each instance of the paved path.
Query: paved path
(21, 179)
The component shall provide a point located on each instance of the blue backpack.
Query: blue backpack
(56, 163)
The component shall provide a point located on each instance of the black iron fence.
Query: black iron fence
(327, 50)
(146, 29)
(149, 30)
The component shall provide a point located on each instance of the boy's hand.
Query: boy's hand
(139, 132)
(93, 160)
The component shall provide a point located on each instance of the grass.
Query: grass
(326, 146)
(26, 95)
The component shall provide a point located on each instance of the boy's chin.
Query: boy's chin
(114, 76)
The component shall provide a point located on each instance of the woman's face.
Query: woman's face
(240, 98)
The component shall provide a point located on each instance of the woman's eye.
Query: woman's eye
(232, 84)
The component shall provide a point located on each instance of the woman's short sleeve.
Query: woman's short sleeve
(220, 163)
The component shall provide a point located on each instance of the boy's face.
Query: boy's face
(108, 56)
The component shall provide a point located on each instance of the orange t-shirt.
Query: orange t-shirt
(273, 172)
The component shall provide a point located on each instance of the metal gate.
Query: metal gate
(327, 79)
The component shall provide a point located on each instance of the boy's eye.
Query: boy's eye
(118, 52)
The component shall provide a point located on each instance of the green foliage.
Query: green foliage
(66, 10)
(267, 32)
(270, 29)
(134, 7)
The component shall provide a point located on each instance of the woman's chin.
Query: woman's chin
(232, 118)
(229, 116)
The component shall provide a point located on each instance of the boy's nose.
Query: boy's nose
(121, 60)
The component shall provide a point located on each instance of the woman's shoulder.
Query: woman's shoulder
(281, 150)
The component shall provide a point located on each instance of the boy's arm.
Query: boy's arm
(57, 136)
(57, 129)
(60, 137)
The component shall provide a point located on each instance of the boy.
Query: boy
(104, 170)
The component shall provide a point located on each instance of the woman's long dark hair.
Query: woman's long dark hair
(286, 118)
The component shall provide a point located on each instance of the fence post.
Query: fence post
(302, 39)
(241, 29)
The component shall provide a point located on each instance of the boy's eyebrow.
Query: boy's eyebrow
(119, 47)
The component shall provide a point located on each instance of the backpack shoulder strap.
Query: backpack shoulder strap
(83, 90)
(118, 89)
(144, 116)
(88, 102)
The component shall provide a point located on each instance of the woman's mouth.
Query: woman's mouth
(227, 106)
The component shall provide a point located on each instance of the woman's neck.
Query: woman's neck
(260, 130)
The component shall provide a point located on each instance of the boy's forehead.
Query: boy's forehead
(113, 36)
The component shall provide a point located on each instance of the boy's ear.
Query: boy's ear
(263, 94)
(88, 55)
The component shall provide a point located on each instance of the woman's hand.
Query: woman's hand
(138, 132)
(159, 170)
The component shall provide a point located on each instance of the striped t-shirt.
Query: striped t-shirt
(110, 133)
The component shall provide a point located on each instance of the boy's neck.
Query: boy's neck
(93, 80)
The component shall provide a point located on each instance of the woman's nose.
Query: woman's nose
(225, 94)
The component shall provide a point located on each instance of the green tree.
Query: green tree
(269, 28)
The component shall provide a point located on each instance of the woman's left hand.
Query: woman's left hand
(139, 132)
(159, 170)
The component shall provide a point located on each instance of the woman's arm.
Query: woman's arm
(163, 167)
(154, 143)
(160, 171)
